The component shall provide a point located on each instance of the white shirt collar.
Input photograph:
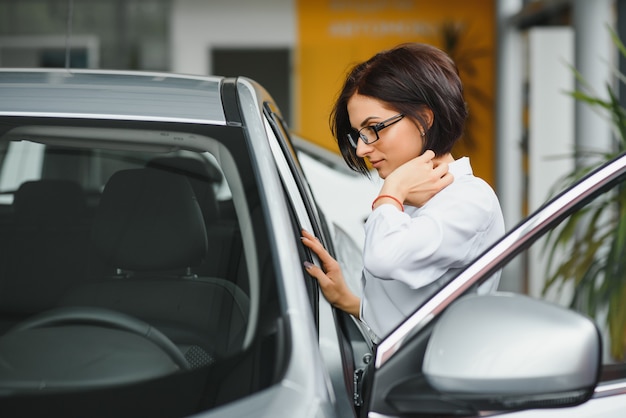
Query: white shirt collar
(460, 167)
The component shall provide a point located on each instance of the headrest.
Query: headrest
(201, 176)
(188, 166)
(149, 220)
(49, 201)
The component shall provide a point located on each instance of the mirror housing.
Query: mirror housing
(505, 351)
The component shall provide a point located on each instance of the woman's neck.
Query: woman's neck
(445, 158)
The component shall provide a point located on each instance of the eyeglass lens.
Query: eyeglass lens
(369, 134)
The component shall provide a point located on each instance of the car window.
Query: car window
(3, 147)
(276, 128)
(293, 186)
(350, 257)
(21, 161)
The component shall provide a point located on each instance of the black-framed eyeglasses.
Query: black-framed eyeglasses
(369, 134)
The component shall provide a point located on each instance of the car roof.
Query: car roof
(121, 95)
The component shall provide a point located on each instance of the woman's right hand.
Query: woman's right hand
(331, 280)
(418, 180)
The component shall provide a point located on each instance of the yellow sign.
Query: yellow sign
(336, 34)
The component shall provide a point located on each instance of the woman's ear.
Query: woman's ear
(424, 120)
(427, 116)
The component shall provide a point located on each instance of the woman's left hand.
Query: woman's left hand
(418, 180)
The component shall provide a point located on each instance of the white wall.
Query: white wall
(595, 61)
(551, 126)
(510, 129)
(199, 25)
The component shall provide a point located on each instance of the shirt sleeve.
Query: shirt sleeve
(446, 233)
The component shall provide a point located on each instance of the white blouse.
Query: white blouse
(405, 253)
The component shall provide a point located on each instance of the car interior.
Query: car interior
(133, 267)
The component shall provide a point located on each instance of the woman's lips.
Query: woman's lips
(376, 163)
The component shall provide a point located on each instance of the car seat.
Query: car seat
(44, 246)
(225, 256)
(150, 229)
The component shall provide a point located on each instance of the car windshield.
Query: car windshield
(116, 229)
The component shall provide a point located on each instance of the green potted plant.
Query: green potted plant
(595, 238)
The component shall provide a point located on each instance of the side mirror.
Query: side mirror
(507, 351)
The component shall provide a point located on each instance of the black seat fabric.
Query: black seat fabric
(224, 258)
(149, 220)
(149, 226)
(44, 247)
(205, 312)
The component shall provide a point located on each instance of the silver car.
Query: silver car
(151, 265)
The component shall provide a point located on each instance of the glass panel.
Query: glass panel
(122, 225)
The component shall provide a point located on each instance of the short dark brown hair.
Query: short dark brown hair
(409, 78)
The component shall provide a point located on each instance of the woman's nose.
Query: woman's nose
(362, 149)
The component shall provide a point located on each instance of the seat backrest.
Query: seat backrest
(225, 252)
(150, 226)
(45, 246)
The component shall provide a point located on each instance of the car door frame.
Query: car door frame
(344, 344)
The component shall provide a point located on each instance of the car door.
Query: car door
(519, 355)
(345, 346)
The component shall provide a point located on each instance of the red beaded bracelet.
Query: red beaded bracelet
(390, 197)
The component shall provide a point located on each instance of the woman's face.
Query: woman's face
(398, 143)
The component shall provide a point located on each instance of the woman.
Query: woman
(402, 111)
